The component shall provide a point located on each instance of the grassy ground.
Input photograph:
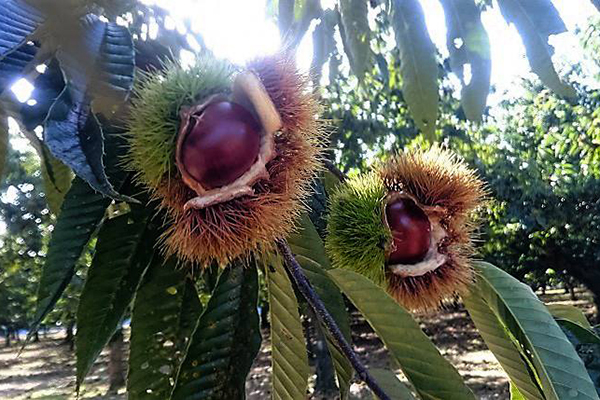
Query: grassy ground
(46, 370)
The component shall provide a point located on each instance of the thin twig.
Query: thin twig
(335, 170)
(317, 305)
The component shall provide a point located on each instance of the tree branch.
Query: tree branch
(317, 305)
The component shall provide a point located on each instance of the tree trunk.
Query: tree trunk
(264, 316)
(8, 333)
(590, 278)
(69, 338)
(36, 337)
(325, 384)
(116, 369)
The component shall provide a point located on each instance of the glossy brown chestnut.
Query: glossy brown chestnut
(411, 231)
(222, 143)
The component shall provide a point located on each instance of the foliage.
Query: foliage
(543, 173)
(23, 246)
(540, 159)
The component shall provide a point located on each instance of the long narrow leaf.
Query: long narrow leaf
(469, 45)
(80, 216)
(560, 370)
(310, 253)
(515, 394)
(390, 383)
(505, 348)
(432, 376)
(225, 341)
(119, 263)
(357, 35)
(98, 59)
(536, 20)
(418, 65)
(164, 314)
(289, 359)
(18, 20)
(57, 179)
(74, 136)
(570, 313)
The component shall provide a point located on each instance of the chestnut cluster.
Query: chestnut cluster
(407, 225)
(228, 155)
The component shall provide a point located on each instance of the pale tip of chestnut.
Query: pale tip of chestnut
(249, 90)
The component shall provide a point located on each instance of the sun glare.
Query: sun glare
(22, 90)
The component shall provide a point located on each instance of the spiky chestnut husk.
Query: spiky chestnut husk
(359, 236)
(231, 227)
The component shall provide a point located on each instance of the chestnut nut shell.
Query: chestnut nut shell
(411, 231)
(222, 143)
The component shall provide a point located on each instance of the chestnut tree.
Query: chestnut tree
(173, 228)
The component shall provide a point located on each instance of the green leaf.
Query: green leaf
(308, 246)
(391, 385)
(560, 370)
(515, 394)
(289, 359)
(285, 15)
(74, 136)
(165, 312)
(418, 65)
(79, 217)
(98, 60)
(469, 45)
(323, 43)
(57, 179)
(432, 376)
(570, 313)
(18, 20)
(505, 348)
(536, 20)
(582, 334)
(120, 260)
(309, 251)
(356, 35)
(225, 341)
(587, 345)
(3, 143)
